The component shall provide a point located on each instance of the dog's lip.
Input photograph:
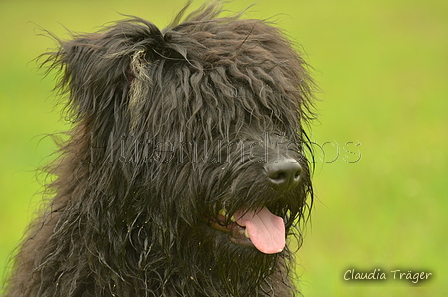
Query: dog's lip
(237, 233)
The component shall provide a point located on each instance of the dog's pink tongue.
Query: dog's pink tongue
(266, 230)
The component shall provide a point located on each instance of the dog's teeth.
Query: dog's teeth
(246, 233)
(232, 218)
(222, 212)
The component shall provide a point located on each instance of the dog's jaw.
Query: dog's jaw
(259, 229)
(237, 234)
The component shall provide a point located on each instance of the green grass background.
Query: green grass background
(382, 66)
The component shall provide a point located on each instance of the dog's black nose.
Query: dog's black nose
(283, 174)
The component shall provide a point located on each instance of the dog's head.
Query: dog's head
(193, 135)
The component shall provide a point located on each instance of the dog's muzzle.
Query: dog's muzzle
(260, 228)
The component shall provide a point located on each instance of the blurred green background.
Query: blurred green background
(382, 66)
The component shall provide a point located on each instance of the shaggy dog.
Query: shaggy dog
(184, 173)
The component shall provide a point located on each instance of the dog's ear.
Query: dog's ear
(97, 70)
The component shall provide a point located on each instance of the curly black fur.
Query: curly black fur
(170, 127)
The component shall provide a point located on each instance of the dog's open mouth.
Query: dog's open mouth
(260, 229)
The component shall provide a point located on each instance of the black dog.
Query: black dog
(185, 170)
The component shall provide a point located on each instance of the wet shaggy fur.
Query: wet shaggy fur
(170, 127)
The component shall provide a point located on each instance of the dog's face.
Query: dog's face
(228, 116)
(196, 136)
